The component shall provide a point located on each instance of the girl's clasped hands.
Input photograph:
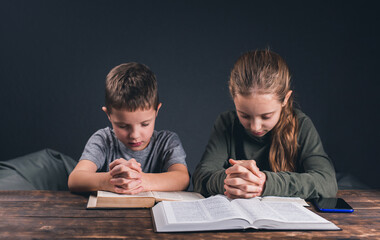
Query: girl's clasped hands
(244, 179)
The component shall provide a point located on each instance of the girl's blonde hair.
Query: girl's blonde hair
(265, 72)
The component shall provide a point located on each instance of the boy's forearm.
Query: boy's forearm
(83, 181)
(167, 181)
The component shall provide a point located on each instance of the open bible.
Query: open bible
(104, 199)
(221, 213)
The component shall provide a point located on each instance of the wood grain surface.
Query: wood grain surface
(59, 214)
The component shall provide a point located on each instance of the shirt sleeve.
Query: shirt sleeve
(174, 153)
(210, 173)
(96, 149)
(316, 175)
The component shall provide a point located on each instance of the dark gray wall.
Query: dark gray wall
(55, 55)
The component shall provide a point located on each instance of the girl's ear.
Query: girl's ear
(106, 111)
(287, 98)
(158, 108)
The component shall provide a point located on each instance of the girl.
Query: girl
(265, 147)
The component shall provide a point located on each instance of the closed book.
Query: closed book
(104, 199)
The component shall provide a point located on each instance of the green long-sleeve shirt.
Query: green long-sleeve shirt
(314, 175)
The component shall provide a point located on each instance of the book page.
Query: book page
(293, 212)
(176, 196)
(285, 199)
(205, 210)
(255, 209)
(278, 211)
(117, 195)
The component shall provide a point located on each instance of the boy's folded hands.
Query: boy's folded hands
(126, 176)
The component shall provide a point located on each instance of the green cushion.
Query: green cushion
(43, 170)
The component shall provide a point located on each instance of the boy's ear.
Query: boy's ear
(158, 108)
(106, 111)
(287, 98)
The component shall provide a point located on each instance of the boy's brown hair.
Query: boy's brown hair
(131, 86)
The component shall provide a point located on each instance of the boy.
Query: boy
(132, 157)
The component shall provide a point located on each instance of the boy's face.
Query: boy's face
(133, 129)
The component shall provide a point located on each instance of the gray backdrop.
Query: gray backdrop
(55, 55)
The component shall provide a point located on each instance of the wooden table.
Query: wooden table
(58, 214)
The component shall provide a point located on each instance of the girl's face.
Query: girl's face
(259, 113)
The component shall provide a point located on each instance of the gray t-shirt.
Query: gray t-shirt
(163, 150)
